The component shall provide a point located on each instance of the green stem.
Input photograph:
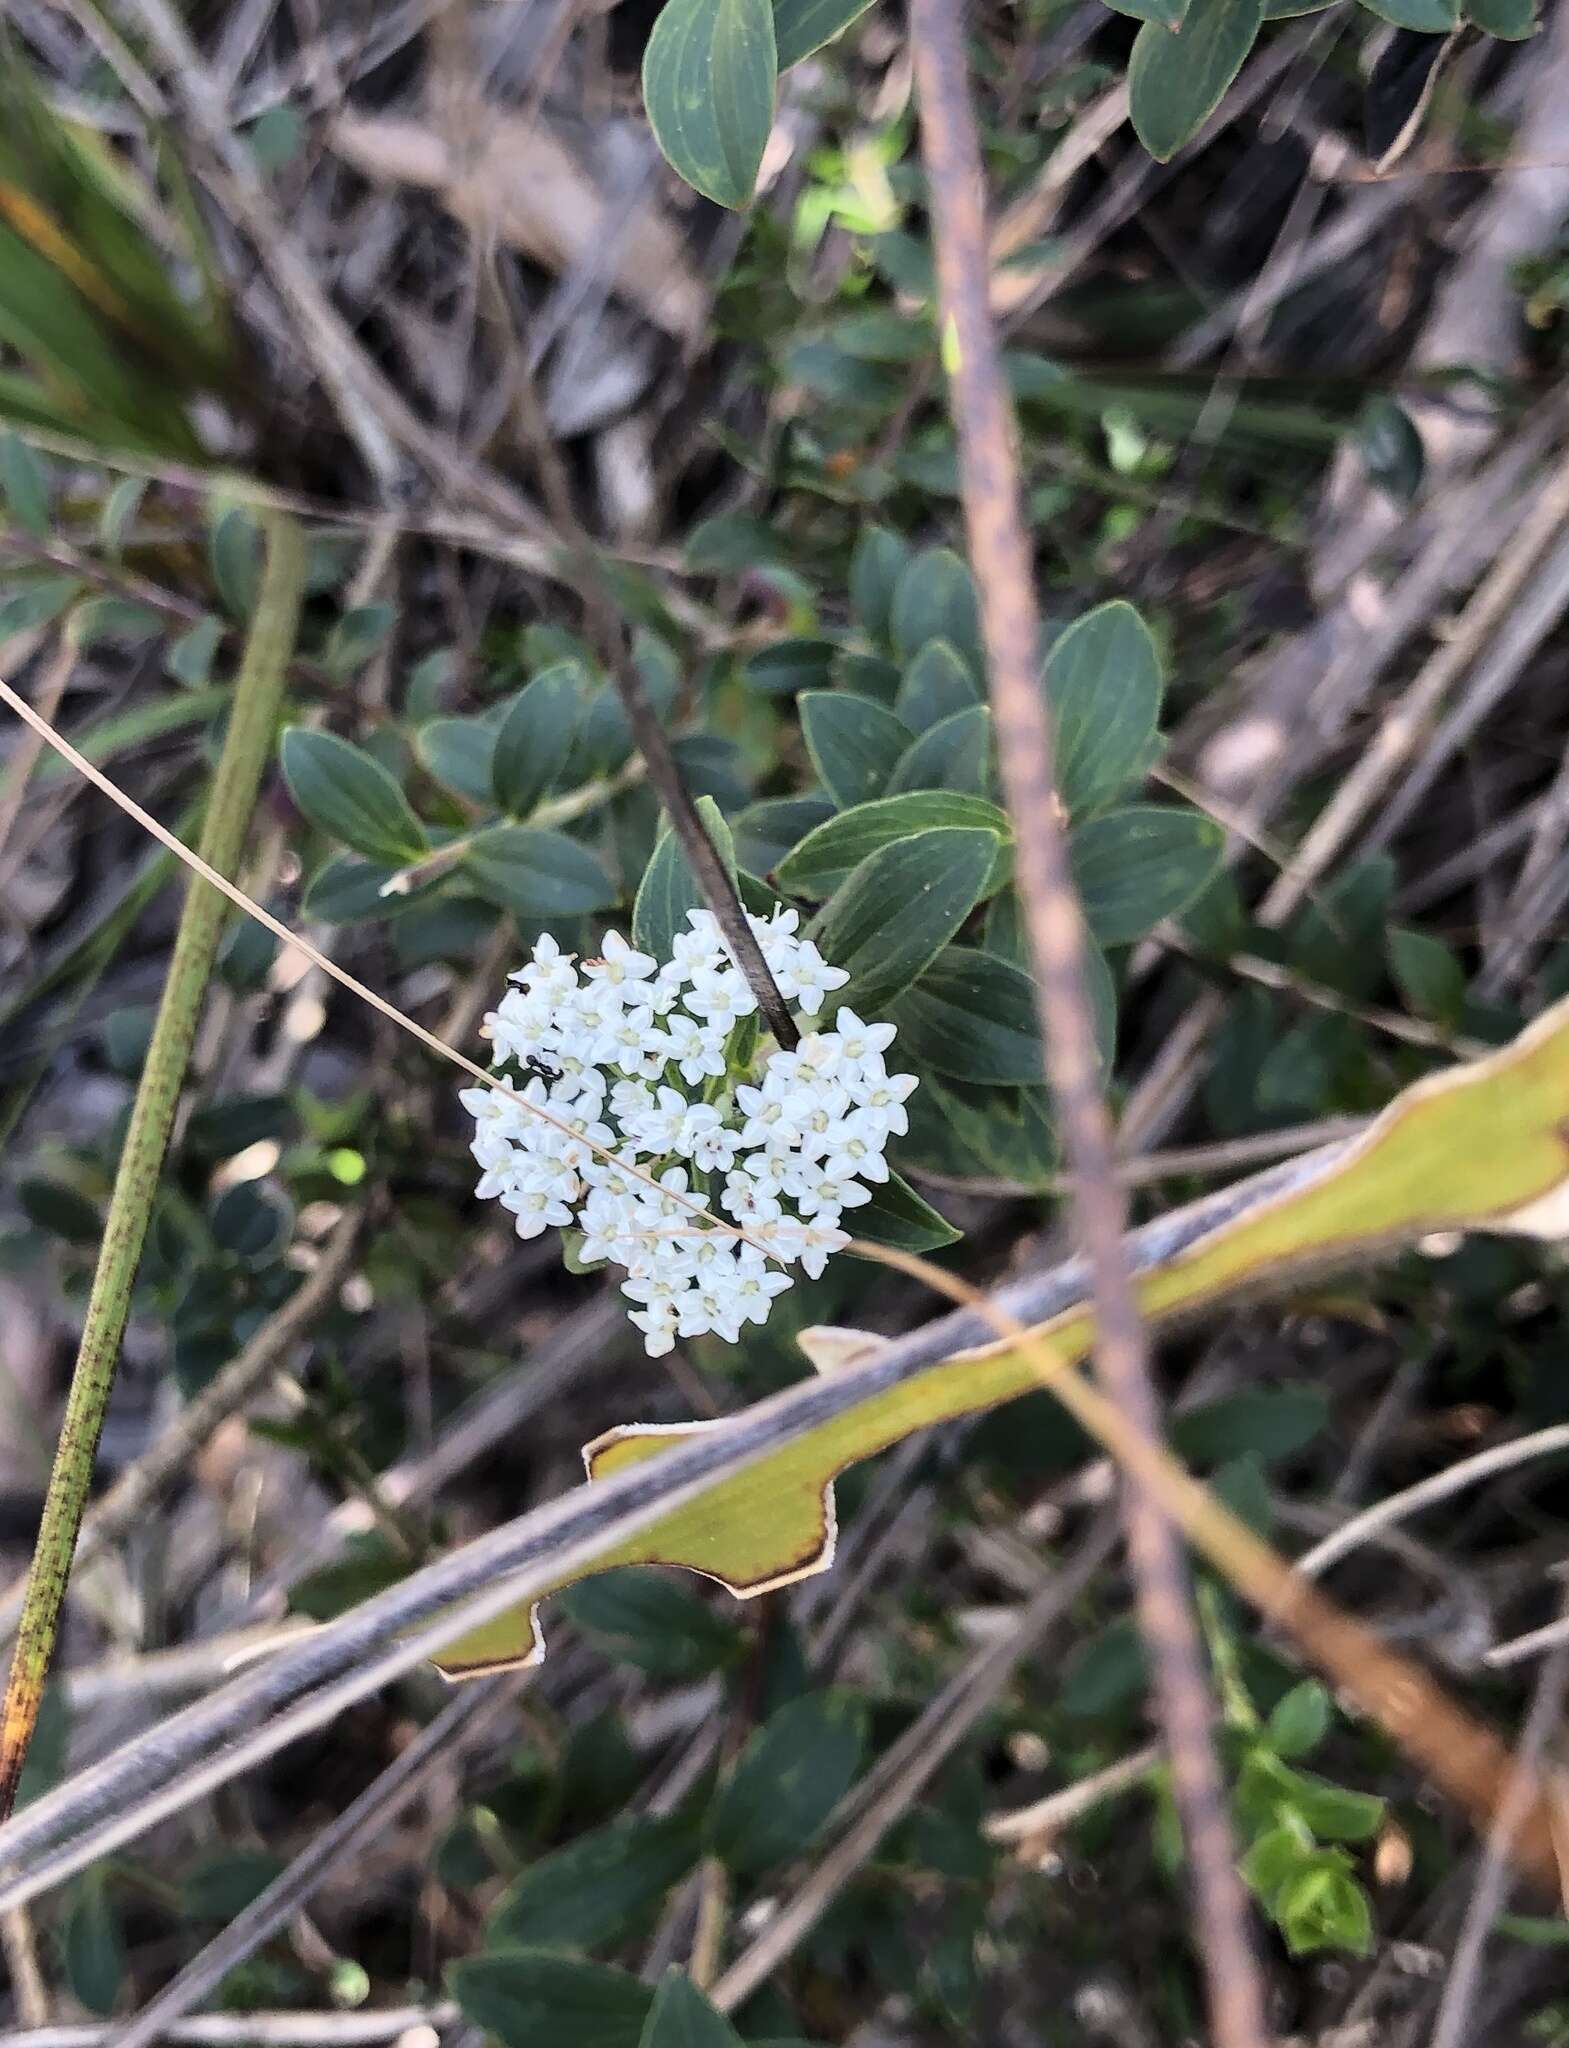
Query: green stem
(247, 746)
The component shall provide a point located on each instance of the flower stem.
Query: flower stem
(247, 745)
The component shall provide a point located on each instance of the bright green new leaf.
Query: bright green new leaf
(347, 794)
(710, 73)
(897, 910)
(1300, 1721)
(536, 873)
(1175, 82)
(1103, 684)
(669, 888)
(826, 855)
(681, 2017)
(1135, 866)
(855, 743)
(536, 736)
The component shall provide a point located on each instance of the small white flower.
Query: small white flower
(720, 996)
(619, 964)
(697, 1049)
(808, 978)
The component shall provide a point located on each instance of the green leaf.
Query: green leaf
(1271, 1422)
(709, 77)
(356, 637)
(767, 832)
(876, 565)
(681, 2017)
(1169, 13)
(894, 913)
(529, 1997)
(1331, 1812)
(536, 736)
(1390, 446)
(1300, 1721)
(1175, 82)
(252, 1222)
(536, 873)
(1135, 866)
(897, 1217)
(1513, 21)
(795, 663)
(189, 659)
(789, 1778)
(956, 754)
(37, 603)
(936, 684)
(347, 889)
(94, 1954)
(1103, 684)
(826, 855)
(974, 1017)
(1428, 975)
(855, 743)
(935, 600)
(1325, 1907)
(347, 794)
(24, 486)
(973, 1134)
(459, 753)
(1536, 1931)
(669, 888)
(234, 556)
(1108, 1674)
(802, 26)
(597, 1889)
(59, 1208)
(641, 1617)
(1427, 17)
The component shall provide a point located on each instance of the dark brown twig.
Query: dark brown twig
(1000, 551)
(653, 742)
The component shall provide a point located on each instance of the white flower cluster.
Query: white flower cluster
(666, 1103)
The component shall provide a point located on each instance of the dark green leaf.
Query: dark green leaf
(1175, 82)
(1108, 1674)
(935, 600)
(94, 1952)
(459, 753)
(597, 1889)
(802, 26)
(790, 1777)
(1135, 866)
(956, 754)
(868, 675)
(765, 833)
(641, 1617)
(853, 741)
(899, 907)
(1391, 447)
(681, 2017)
(1169, 13)
(348, 795)
(936, 684)
(897, 1216)
(530, 1997)
(1271, 1422)
(37, 603)
(669, 888)
(1514, 21)
(357, 635)
(709, 78)
(223, 1883)
(536, 873)
(1427, 17)
(57, 1207)
(875, 568)
(980, 1135)
(24, 486)
(827, 854)
(347, 889)
(1428, 975)
(790, 665)
(252, 1222)
(535, 738)
(1103, 684)
(974, 1017)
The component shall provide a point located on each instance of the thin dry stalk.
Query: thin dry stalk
(999, 547)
